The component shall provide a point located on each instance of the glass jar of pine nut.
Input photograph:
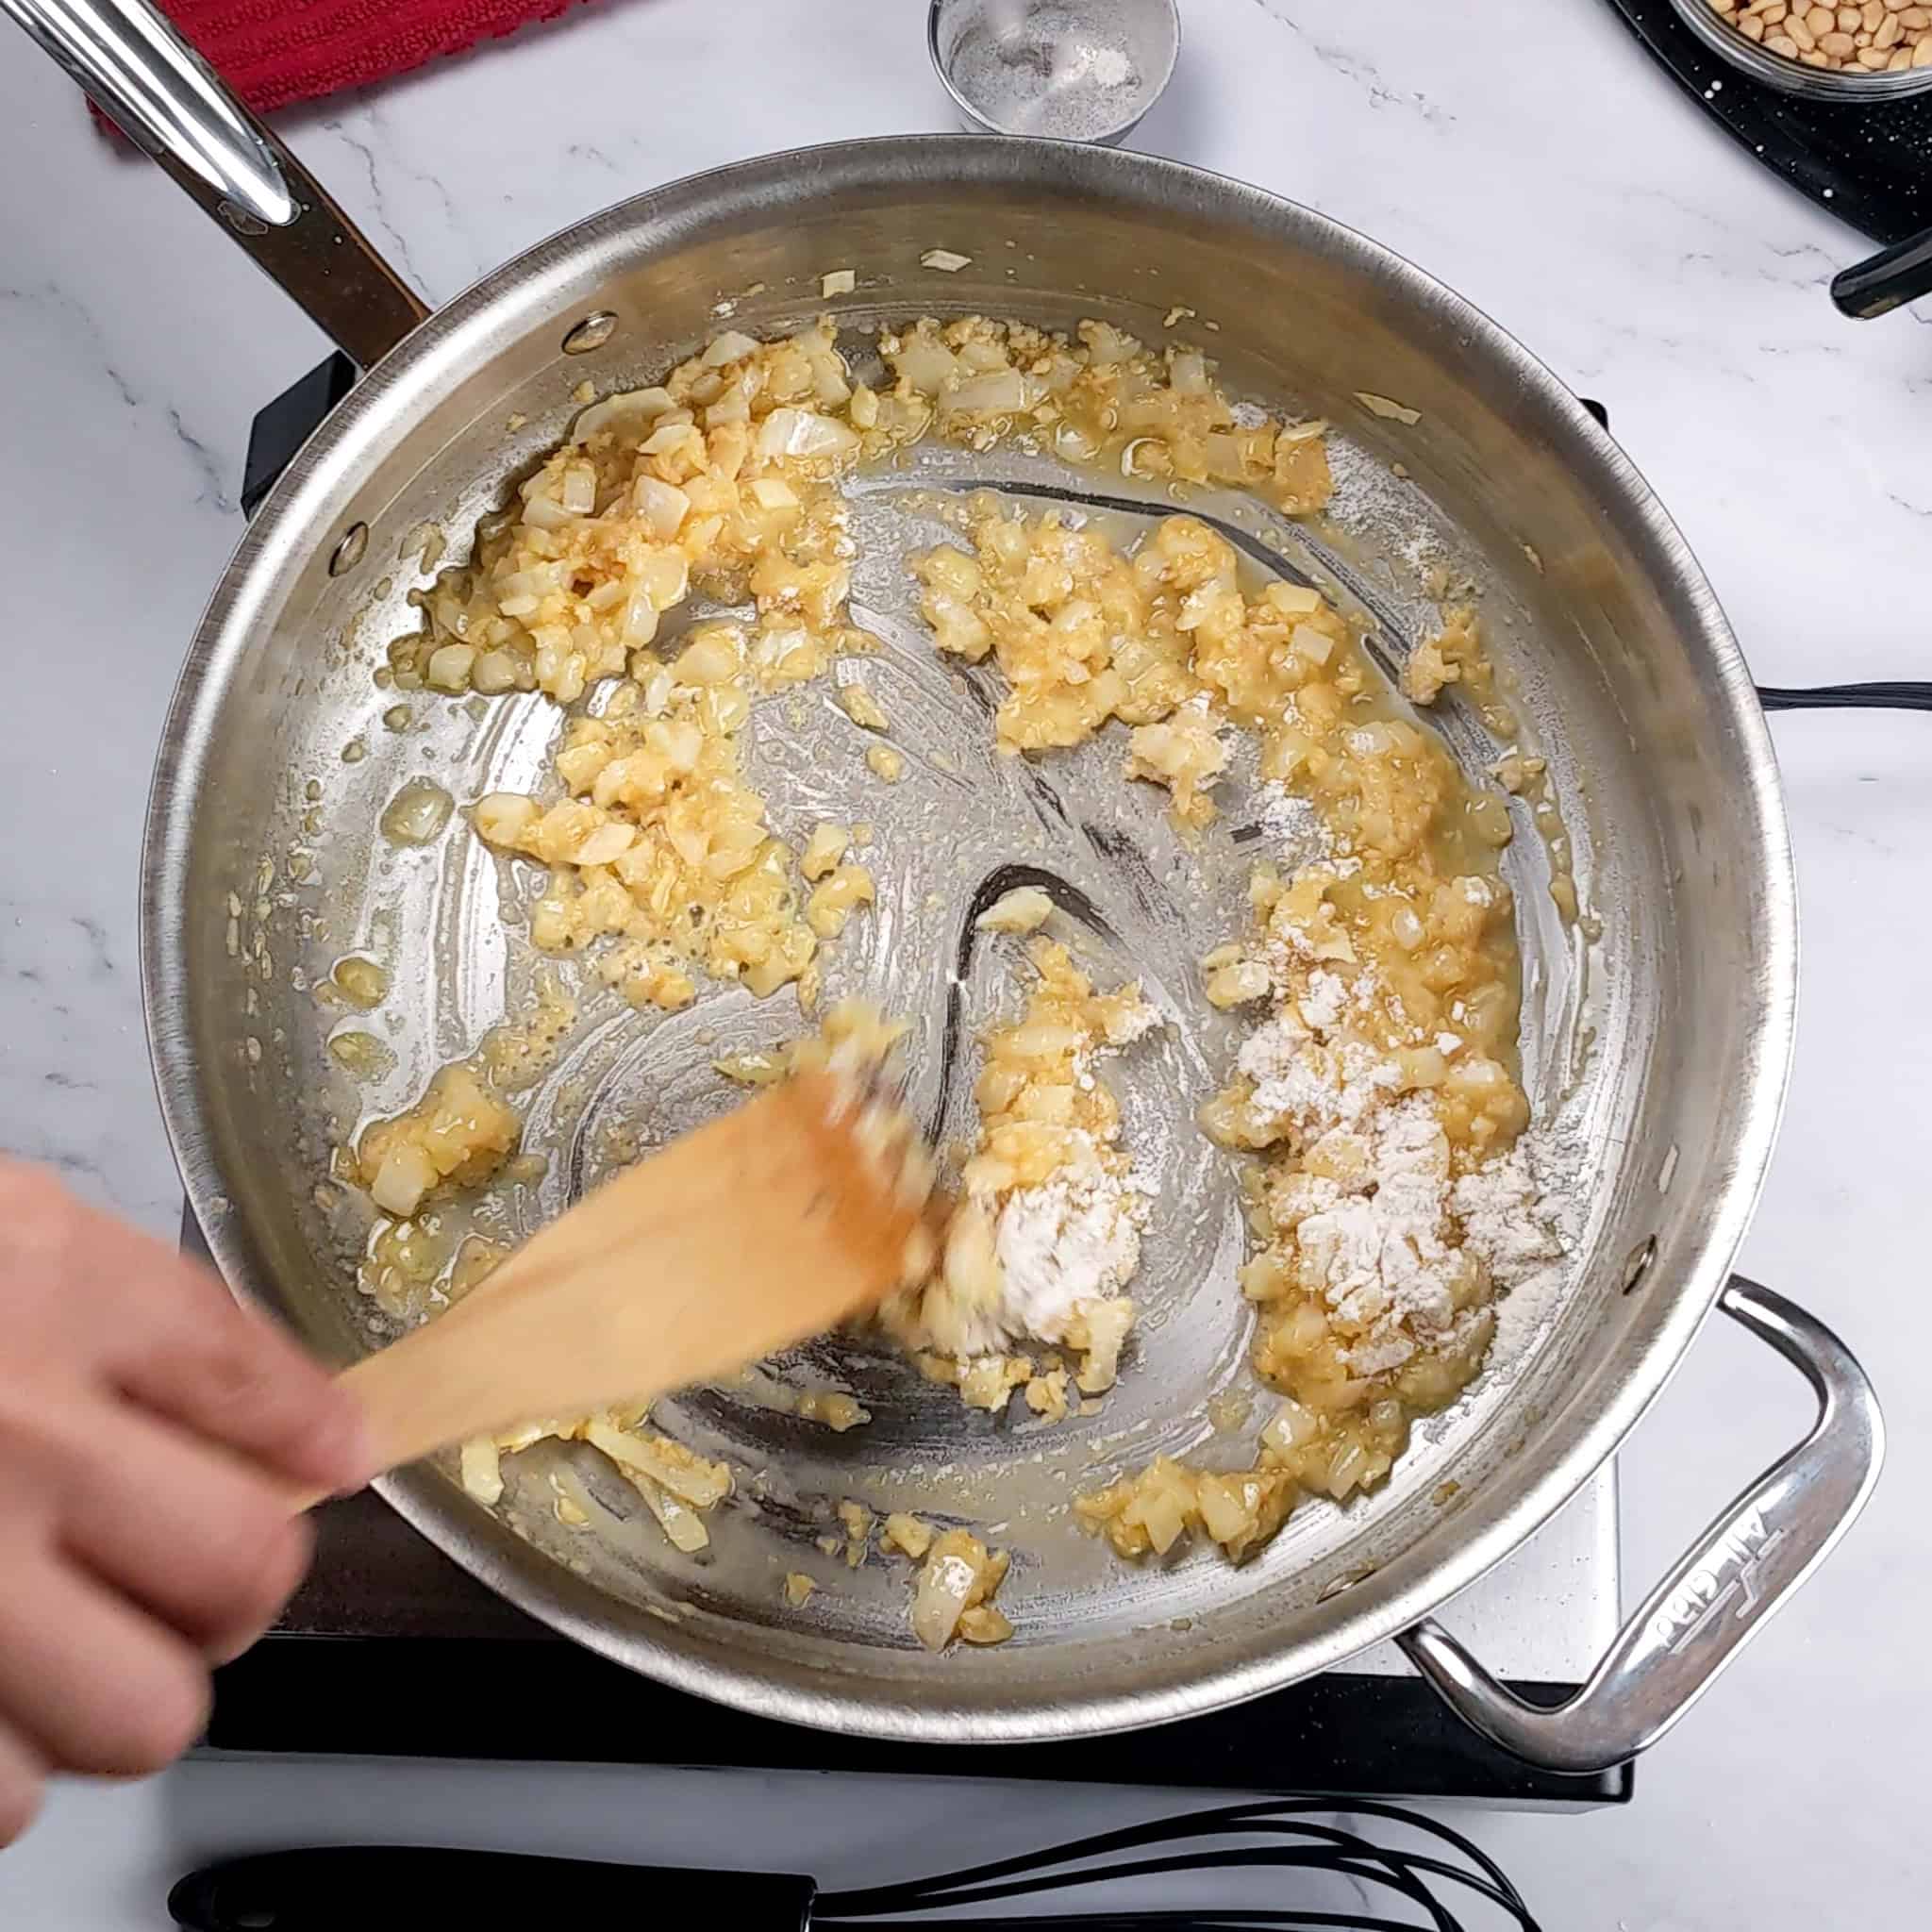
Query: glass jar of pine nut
(1850, 50)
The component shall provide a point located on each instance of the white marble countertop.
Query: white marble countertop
(1532, 158)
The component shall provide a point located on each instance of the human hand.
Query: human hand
(152, 1434)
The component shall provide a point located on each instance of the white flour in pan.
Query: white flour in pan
(1074, 1239)
(1385, 1233)
(1528, 1250)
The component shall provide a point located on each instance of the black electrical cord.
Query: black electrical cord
(1895, 695)
(877, 1909)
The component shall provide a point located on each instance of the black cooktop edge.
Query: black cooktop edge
(534, 1700)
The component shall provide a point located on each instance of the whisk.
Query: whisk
(374, 1886)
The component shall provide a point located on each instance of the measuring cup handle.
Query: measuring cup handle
(1718, 1594)
(174, 106)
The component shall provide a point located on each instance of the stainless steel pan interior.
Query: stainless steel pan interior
(1655, 1052)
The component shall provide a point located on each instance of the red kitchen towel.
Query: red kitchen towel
(273, 52)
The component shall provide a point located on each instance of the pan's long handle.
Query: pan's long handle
(1887, 280)
(1702, 1614)
(171, 104)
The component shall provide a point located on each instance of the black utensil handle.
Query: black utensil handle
(406, 1888)
(1892, 695)
(1887, 280)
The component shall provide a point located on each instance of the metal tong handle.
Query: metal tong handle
(1742, 1567)
(174, 106)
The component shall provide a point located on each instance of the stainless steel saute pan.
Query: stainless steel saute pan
(1655, 1054)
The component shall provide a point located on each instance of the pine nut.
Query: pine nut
(1837, 43)
(1891, 29)
(1783, 44)
(1751, 27)
(1871, 59)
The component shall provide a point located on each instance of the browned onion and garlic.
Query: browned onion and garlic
(1375, 1093)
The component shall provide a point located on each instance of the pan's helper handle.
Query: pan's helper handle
(1704, 1611)
(173, 105)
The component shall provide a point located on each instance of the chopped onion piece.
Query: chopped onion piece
(503, 817)
(603, 845)
(640, 619)
(1188, 374)
(711, 657)
(734, 345)
(664, 575)
(680, 1525)
(580, 492)
(679, 1471)
(1381, 406)
(545, 513)
(804, 433)
(483, 1471)
(1315, 645)
(944, 260)
(939, 1597)
(1006, 393)
(1293, 600)
(449, 667)
(643, 405)
(662, 506)
(407, 1174)
(926, 365)
(839, 281)
(493, 673)
(1026, 908)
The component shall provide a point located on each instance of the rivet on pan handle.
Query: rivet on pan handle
(173, 105)
(1745, 1564)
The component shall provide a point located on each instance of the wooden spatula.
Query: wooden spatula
(756, 1231)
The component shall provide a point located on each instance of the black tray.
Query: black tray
(1869, 163)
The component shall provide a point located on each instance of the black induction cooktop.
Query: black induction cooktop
(1869, 162)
